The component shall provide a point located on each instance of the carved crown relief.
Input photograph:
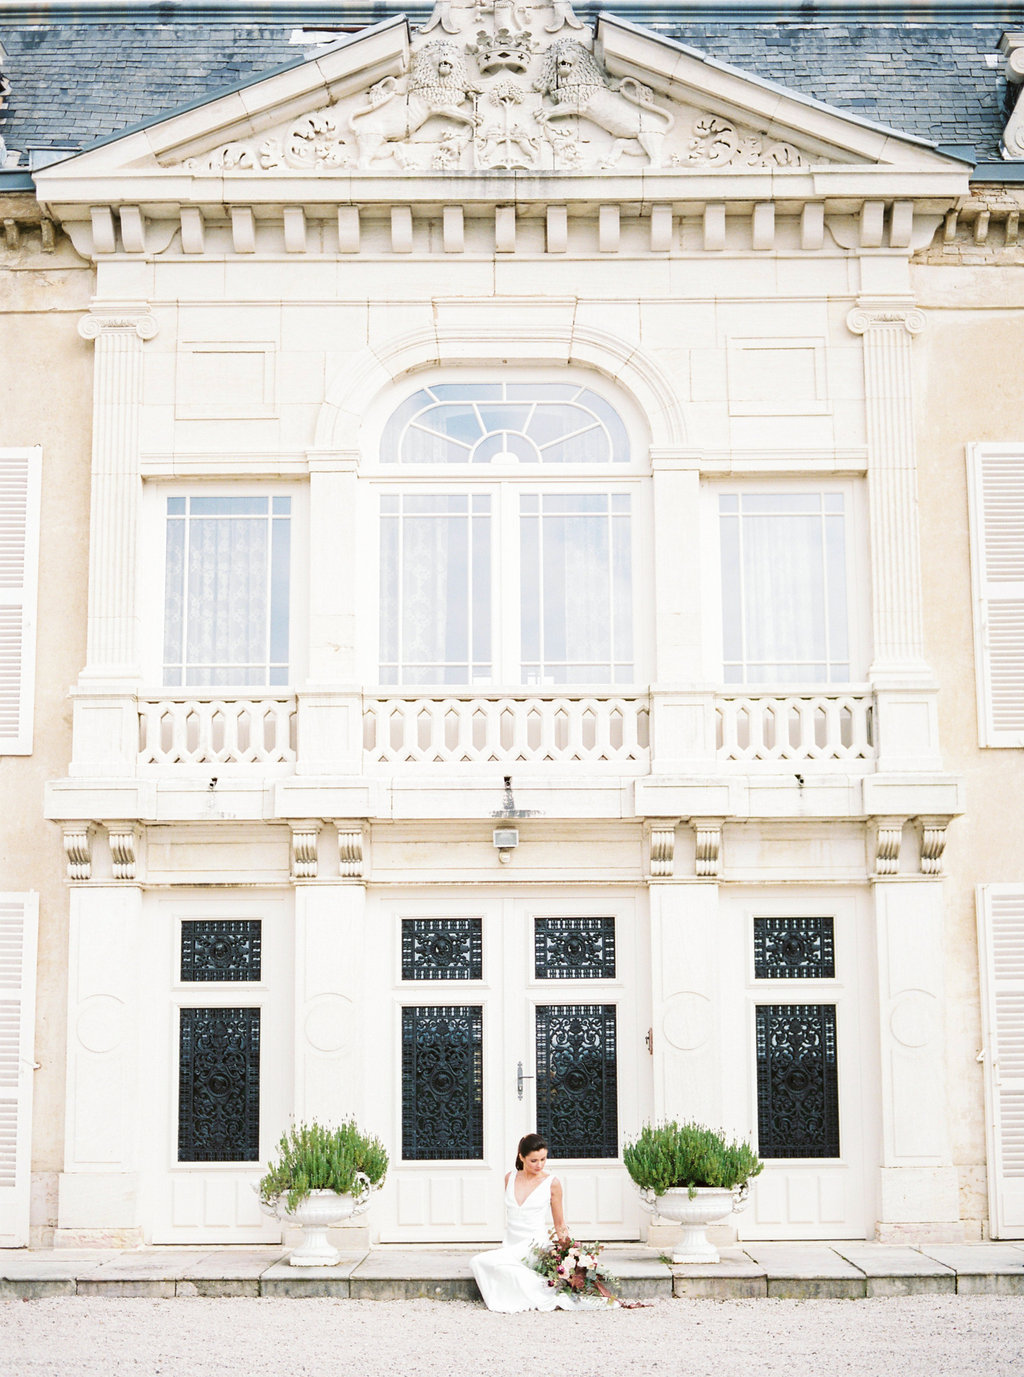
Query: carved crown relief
(497, 85)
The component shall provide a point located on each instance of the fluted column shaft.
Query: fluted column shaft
(897, 622)
(113, 651)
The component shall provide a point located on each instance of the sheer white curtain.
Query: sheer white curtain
(784, 588)
(226, 591)
(576, 596)
(435, 589)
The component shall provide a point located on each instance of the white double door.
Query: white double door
(502, 1015)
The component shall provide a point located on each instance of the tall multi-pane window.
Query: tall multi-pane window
(784, 588)
(516, 567)
(226, 590)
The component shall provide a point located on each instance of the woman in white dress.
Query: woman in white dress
(533, 1201)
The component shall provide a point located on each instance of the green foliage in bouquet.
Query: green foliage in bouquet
(567, 1265)
(673, 1154)
(314, 1158)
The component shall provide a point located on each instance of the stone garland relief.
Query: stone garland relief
(501, 86)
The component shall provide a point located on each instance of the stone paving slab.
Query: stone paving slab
(807, 1271)
(409, 1273)
(736, 1276)
(982, 1269)
(282, 1279)
(229, 1272)
(898, 1270)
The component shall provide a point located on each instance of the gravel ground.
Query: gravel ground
(919, 1336)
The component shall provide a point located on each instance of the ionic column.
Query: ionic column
(113, 535)
(905, 691)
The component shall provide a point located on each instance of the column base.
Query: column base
(98, 1238)
(919, 1205)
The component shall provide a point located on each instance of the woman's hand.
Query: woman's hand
(557, 1215)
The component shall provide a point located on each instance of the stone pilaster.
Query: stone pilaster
(907, 723)
(117, 397)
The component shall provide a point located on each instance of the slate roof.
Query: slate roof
(73, 82)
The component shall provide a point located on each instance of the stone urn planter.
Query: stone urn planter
(707, 1205)
(322, 1176)
(690, 1175)
(316, 1213)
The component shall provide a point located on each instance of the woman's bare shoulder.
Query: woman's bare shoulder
(508, 1177)
(556, 1185)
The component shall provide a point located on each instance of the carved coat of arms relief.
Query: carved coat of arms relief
(500, 85)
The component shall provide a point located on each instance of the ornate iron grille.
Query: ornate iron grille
(794, 949)
(574, 948)
(219, 1086)
(442, 949)
(577, 1104)
(442, 1083)
(797, 1081)
(212, 949)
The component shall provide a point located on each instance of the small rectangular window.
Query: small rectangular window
(574, 948)
(227, 591)
(442, 949)
(794, 949)
(216, 949)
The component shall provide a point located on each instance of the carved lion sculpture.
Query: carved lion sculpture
(438, 84)
(625, 109)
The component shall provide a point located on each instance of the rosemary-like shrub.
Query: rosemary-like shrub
(314, 1158)
(673, 1154)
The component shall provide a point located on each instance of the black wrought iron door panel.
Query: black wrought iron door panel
(219, 1085)
(216, 949)
(794, 949)
(442, 1083)
(574, 948)
(797, 1080)
(577, 1092)
(442, 949)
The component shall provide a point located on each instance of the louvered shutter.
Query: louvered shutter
(1001, 939)
(18, 925)
(20, 471)
(996, 493)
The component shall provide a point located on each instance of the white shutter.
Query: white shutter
(995, 487)
(19, 914)
(20, 471)
(1001, 939)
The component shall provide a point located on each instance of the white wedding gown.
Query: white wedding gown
(506, 1280)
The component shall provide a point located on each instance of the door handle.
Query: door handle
(520, 1078)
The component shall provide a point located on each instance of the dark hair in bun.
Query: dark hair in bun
(533, 1142)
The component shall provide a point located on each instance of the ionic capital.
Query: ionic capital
(895, 318)
(143, 325)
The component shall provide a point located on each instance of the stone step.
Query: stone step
(391, 1272)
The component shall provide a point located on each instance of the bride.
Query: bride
(506, 1280)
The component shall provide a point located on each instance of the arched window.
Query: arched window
(512, 563)
(511, 422)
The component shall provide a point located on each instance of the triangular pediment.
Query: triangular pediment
(500, 89)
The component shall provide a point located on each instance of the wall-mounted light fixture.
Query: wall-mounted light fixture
(506, 839)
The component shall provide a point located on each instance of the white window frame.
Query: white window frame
(23, 595)
(988, 592)
(858, 599)
(1000, 914)
(153, 575)
(505, 481)
(19, 916)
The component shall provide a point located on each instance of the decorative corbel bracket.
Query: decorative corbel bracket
(933, 844)
(305, 836)
(709, 847)
(350, 854)
(78, 850)
(888, 840)
(663, 851)
(123, 838)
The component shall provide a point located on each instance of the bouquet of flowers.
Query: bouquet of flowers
(576, 1267)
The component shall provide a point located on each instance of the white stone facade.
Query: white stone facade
(727, 269)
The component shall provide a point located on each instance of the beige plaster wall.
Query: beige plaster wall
(47, 401)
(969, 378)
